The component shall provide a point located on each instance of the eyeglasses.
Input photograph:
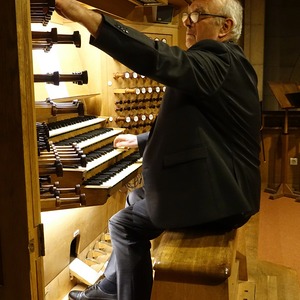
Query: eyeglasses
(195, 15)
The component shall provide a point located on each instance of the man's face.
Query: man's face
(206, 27)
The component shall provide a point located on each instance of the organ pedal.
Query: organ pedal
(92, 269)
(83, 272)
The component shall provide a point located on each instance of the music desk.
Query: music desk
(288, 97)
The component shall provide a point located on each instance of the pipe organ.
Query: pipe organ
(83, 179)
(54, 209)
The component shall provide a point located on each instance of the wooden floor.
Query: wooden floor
(267, 281)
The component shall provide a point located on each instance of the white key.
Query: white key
(99, 138)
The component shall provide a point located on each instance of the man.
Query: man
(201, 158)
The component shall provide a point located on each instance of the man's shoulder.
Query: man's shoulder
(209, 44)
(216, 49)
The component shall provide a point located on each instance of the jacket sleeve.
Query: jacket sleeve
(142, 141)
(162, 62)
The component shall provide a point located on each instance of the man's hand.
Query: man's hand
(126, 141)
(76, 12)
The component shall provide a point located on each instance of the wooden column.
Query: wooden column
(21, 267)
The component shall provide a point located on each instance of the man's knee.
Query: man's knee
(135, 196)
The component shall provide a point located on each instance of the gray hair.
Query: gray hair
(234, 10)
(231, 9)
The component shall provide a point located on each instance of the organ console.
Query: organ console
(75, 179)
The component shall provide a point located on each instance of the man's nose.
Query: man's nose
(187, 23)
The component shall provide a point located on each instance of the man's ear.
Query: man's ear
(226, 28)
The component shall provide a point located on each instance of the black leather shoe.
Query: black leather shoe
(91, 293)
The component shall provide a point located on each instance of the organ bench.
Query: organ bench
(193, 265)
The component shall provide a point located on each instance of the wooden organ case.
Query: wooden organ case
(63, 214)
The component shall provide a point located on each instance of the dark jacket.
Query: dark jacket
(201, 161)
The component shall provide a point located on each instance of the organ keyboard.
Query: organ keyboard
(57, 129)
(95, 136)
(107, 168)
(100, 156)
(106, 183)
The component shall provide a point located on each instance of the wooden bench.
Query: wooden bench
(194, 265)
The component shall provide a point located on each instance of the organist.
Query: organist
(201, 158)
